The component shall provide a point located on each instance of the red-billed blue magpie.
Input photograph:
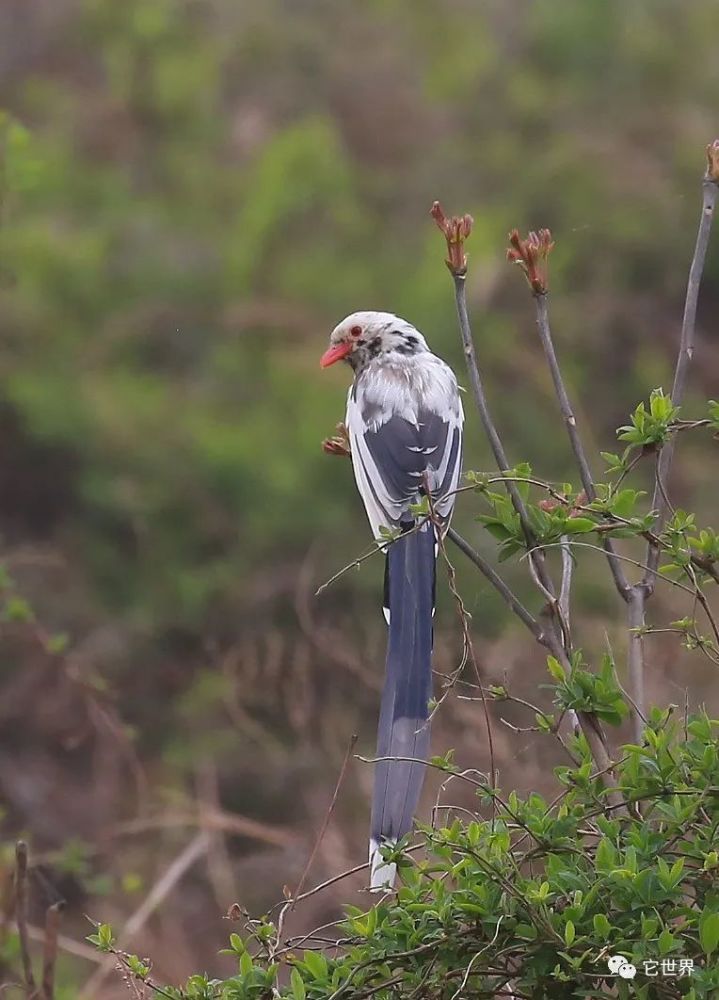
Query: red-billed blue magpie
(404, 420)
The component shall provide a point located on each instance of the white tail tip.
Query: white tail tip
(382, 875)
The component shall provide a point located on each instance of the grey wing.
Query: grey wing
(394, 459)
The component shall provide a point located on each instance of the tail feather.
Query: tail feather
(403, 722)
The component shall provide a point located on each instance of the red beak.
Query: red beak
(335, 353)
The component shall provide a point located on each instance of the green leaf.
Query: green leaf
(17, 609)
(237, 945)
(316, 963)
(602, 927)
(104, 938)
(578, 525)
(606, 856)
(709, 931)
(569, 933)
(57, 643)
(556, 669)
(136, 967)
(624, 502)
(297, 984)
(665, 942)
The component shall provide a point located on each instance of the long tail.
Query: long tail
(403, 721)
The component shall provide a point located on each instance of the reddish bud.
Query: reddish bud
(548, 505)
(456, 229)
(532, 255)
(713, 161)
(552, 503)
(579, 502)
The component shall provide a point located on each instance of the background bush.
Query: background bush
(192, 195)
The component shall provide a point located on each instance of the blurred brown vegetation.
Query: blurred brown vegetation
(193, 193)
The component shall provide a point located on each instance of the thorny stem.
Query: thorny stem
(686, 351)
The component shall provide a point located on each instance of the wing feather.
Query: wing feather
(395, 453)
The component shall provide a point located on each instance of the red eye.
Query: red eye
(356, 331)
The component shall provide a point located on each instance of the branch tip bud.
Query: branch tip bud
(532, 255)
(456, 229)
(712, 173)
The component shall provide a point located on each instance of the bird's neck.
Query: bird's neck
(398, 355)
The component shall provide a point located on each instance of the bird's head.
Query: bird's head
(363, 336)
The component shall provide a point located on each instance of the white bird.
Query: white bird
(404, 420)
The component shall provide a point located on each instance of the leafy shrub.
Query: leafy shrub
(533, 901)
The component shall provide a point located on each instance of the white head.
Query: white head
(363, 336)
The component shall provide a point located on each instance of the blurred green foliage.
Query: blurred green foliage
(192, 194)
(195, 193)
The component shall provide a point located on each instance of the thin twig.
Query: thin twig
(545, 335)
(701, 598)
(474, 958)
(570, 421)
(213, 819)
(490, 429)
(575, 543)
(626, 693)
(49, 956)
(357, 868)
(289, 906)
(331, 881)
(469, 647)
(636, 623)
(21, 916)
(497, 582)
(340, 778)
(684, 358)
(165, 884)
(565, 590)
(466, 632)
(67, 944)
(548, 638)
(380, 547)
(620, 579)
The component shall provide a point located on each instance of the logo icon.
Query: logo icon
(620, 966)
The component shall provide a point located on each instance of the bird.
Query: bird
(404, 422)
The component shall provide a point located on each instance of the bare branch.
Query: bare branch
(480, 399)
(565, 591)
(469, 648)
(21, 916)
(546, 637)
(497, 582)
(636, 623)
(686, 351)
(570, 421)
(300, 885)
(196, 848)
(49, 958)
